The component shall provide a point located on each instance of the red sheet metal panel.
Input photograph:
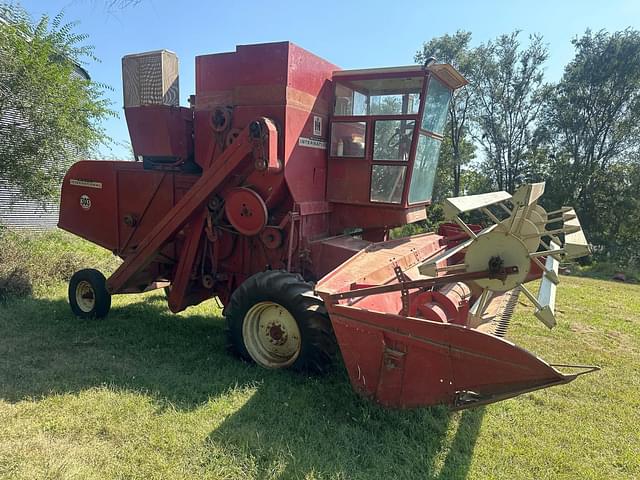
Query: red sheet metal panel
(88, 201)
(144, 197)
(161, 130)
(375, 264)
(249, 65)
(405, 362)
(309, 101)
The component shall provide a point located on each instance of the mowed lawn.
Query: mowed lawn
(147, 394)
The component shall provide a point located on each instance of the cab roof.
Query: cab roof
(444, 71)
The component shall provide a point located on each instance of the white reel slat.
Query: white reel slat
(575, 243)
(456, 205)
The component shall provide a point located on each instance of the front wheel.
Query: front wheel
(88, 295)
(275, 319)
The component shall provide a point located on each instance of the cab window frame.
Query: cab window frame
(413, 115)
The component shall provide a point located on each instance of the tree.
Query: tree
(593, 115)
(612, 213)
(121, 4)
(592, 129)
(456, 151)
(509, 92)
(450, 176)
(49, 115)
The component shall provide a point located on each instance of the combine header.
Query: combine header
(275, 192)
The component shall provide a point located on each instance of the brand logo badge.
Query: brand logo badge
(85, 202)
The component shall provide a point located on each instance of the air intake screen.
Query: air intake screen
(150, 79)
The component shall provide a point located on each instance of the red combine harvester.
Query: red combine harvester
(275, 192)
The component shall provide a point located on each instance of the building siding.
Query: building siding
(20, 213)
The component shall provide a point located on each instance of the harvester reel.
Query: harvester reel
(528, 233)
(519, 240)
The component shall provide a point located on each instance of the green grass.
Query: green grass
(147, 394)
(606, 271)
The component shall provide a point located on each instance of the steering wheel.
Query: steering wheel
(400, 137)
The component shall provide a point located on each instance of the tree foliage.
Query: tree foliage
(592, 117)
(509, 92)
(592, 129)
(456, 151)
(450, 176)
(581, 136)
(49, 115)
(121, 4)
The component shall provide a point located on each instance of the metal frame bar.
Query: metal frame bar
(429, 282)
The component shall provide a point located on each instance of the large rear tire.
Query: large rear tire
(275, 320)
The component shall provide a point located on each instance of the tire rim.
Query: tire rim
(271, 335)
(85, 296)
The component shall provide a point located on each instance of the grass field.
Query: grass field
(147, 394)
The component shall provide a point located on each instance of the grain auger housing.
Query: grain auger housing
(274, 192)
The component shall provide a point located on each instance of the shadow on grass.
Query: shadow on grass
(292, 424)
(335, 436)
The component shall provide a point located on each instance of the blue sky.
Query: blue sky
(351, 34)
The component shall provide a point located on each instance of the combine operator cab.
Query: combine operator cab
(386, 132)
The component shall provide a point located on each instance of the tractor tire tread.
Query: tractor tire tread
(292, 292)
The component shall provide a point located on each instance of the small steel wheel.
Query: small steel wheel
(275, 320)
(271, 335)
(88, 295)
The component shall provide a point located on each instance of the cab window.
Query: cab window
(424, 169)
(350, 102)
(388, 96)
(387, 183)
(392, 139)
(347, 139)
(436, 107)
